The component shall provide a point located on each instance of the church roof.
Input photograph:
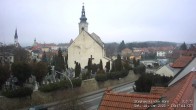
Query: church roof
(97, 39)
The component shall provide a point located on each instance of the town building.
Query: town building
(86, 46)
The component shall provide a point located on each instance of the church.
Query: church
(86, 46)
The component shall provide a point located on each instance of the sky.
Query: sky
(56, 21)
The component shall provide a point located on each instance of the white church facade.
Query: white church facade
(86, 46)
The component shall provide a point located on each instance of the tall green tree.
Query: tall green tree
(121, 46)
(118, 64)
(4, 74)
(107, 66)
(40, 70)
(100, 65)
(183, 46)
(22, 71)
(89, 67)
(77, 69)
(59, 62)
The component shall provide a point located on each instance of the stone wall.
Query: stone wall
(92, 85)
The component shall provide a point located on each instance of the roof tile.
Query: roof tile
(182, 61)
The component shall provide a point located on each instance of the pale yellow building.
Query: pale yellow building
(86, 46)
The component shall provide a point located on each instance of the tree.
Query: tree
(118, 64)
(146, 81)
(121, 46)
(4, 74)
(59, 62)
(44, 57)
(22, 71)
(192, 47)
(40, 70)
(66, 61)
(21, 55)
(140, 69)
(107, 66)
(183, 46)
(100, 65)
(94, 68)
(77, 69)
(89, 67)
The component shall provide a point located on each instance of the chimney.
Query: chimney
(194, 99)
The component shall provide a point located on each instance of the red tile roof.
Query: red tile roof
(179, 95)
(182, 61)
(123, 101)
(158, 90)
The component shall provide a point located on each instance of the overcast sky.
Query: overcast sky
(113, 20)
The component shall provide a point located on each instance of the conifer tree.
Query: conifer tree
(44, 58)
(100, 65)
(107, 66)
(183, 46)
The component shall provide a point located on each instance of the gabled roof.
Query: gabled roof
(123, 101)
(95, 37)
(182, 61)
(166, 70)
(179, 94)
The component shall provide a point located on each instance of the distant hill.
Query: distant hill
(150, 44)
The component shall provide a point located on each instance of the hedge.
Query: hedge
(101, 77)
(76, 82)
(117, 74)
(20, 92)
(111, 75)
(65, 84)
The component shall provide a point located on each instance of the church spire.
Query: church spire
(83, 16)
(16, 35)
(83, 25)
(16, 39)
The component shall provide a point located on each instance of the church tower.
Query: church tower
(83, 25)
(16, 39)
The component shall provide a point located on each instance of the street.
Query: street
(91, 102)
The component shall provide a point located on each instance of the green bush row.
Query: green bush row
(65, 84)
(101, 77)
(111, 75)
(20, 92)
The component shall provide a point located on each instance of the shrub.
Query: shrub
(86, 75)
(146, 81)
(76, 82)
(117, 74)
(65, 84)
(101, 77)
(20, 92)
(100, 72)
(54, 86)
(141, 69)
(124, 73)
